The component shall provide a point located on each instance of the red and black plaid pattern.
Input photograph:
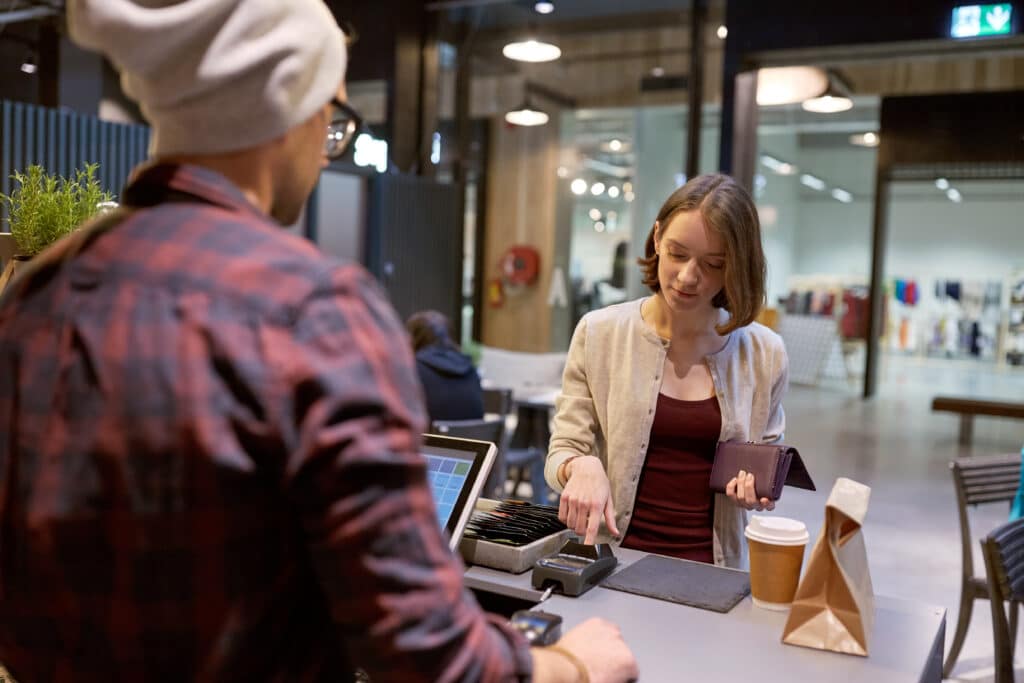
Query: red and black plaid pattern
(209, 467)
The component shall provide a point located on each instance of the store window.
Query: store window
(954, 270)
(617, 167)
(814, 189)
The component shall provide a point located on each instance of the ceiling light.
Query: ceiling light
(578, 186)
(865, 140)
(29, 65)
(827, 104)
(941, 184)
(544, 7)
(790, 84)
(627, 186)
(562, 172)
(657, 72)
(778, 166)
(612, 215)
(835, 98)
(532, 51)
(599, 226)
(597, 188)
(813, 182)
(842, 195)
(615, 145)
(629, 196)
(613, 192)
(722, 32)
(954, 195)
(526, 116)
(595, 214)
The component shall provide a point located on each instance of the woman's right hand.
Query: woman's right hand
(587, 497)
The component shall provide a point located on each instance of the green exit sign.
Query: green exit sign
(973, 21)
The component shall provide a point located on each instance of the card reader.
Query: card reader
(574, 569)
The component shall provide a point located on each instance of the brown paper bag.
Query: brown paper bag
(834, 606)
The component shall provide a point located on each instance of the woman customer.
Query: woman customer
(450, 381)
(651, 386)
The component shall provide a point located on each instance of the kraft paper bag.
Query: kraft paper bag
(834, 606)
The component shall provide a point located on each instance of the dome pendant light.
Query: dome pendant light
(834, 99)
(532, 50)
(527, 115)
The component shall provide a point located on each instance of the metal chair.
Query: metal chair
(1003, 550)
(490, 429)
(520, 448)
(978, 480)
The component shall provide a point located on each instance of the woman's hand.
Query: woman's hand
(741, 489)
(586, 497)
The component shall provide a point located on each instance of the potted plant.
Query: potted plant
(44, 208)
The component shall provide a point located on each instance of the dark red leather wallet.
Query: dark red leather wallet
(773, 465)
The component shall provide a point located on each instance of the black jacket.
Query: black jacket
(451, 384)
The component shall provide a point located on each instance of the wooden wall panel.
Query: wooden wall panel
(521, 195)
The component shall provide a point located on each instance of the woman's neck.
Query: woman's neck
(674, 325)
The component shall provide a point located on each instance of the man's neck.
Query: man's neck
(247, 170)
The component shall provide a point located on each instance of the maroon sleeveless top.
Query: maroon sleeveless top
(674, 506)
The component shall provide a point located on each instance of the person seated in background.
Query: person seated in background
(450, 381)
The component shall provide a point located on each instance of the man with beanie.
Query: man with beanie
(209, 430)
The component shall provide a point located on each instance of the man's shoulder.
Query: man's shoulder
(237, 256)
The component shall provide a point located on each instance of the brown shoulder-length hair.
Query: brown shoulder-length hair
(729, 211)
(429, 328)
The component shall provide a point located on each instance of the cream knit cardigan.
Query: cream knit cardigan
(610, 389)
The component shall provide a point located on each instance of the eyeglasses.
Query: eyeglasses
(344, 126)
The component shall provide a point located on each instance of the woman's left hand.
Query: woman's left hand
(741, 490)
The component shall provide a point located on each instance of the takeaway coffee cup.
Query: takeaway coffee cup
(776, 555)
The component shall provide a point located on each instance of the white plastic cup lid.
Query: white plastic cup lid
(777, 530)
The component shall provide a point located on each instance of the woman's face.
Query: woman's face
(691, 262)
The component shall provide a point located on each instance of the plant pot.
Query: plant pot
(14, 266)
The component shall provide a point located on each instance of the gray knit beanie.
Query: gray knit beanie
(217, 75)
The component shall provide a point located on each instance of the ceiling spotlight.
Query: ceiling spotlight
(954, 195)
(813, 182)
(842, 195)
(562, 172)
(613, 192)
(532, 51)
(578, 186)
(790, 84)
(941, 184)
(595, 214)
(629, 196)
(29, 66)
(657, 72)
(544, 7)
(526, 115)
(778, 166)
(599, 226)
(597, 189)
(722, 32)
(627, 186)
(866, 140)
(615, 145)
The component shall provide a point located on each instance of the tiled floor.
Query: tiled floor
(896, 445)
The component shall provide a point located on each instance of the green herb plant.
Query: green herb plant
(44, 208)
